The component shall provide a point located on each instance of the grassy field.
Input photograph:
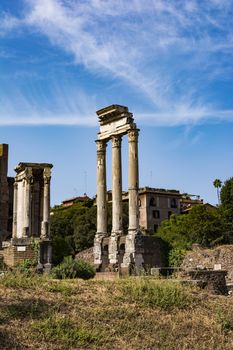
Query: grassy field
(40, 313)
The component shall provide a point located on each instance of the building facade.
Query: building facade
(156, 205)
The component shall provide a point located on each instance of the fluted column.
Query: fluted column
(46, 204)
(14, 228)
(101, 201)
(133, 181)
(27, 203)
(101, 188)
(116, 186)
(116, 200)
(132, 257)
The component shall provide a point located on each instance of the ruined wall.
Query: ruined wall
(87, 255)
(208, 258)
(151, 249)
(213, 281)
(16, 254)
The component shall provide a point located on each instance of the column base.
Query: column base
(133, 259)
(98, 249)
(114, 249)
(45, 254)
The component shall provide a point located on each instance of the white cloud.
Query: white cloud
(8, 23)
(149, 45)
(59, 105)
(185, 116)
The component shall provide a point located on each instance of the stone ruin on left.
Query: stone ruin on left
(25, 212)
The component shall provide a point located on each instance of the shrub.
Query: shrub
(176, 257)
(71, 268)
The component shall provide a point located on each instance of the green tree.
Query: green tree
(217, 184)
(202, 225)
(67, 237)
(73, 229)
(84, 229)
(62, 234)
(227, 207)
(227, 194)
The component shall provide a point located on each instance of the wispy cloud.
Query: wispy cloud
(164, 49)
(57, 106)
(186, 116)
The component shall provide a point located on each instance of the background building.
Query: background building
(156, 205)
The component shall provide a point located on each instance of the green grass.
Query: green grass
(21, 280)
(156, 293)
(38, 312)
(63, 288)
(65, 330)
(30, 309)
(224, 320)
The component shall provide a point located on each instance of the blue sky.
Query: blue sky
(169, 61)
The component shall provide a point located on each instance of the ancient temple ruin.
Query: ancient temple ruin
(117, 250)
(31, 215)
(31, 200)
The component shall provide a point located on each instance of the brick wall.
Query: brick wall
(13, 255)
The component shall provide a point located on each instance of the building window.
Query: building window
(169, 214)
(173, 203)
(156, 227)
(152, 202)
(156, 214)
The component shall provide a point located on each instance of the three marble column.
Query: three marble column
(117, 229)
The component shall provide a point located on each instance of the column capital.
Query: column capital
(116, 141)
(101, 145)
(133, 135)
(28, 175)
(47, 175)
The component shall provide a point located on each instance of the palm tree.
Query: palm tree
(217, 184)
